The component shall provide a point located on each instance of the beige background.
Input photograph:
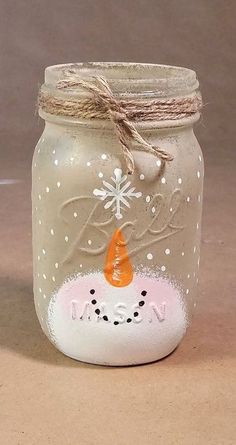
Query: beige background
(188, 398)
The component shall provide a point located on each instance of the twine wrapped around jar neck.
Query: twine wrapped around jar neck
(122, 113)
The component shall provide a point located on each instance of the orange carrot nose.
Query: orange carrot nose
(118, 270)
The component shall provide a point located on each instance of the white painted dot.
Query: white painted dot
(44, 276)
(182, 253)
(158, 162)
(58, 184)
(52, 232)
(171, 210)
(38, 275)
(195, 304)
(56, 265)
(100, 174)
(188, 199)
(44, 251)
(199, 198)
(148, 198)
(35, 164)
(75, 214)
(188, 275)
(200, 158)
(40, 290)
(198, 174)
(81, 265)
(194, 249)
(163, 268)
(72, 159)
(179, 180)
(153, 209)
(47, 189)
(53, 279)
(88, 164)
(198, 261)
(149, 256)
(89, 242)
(66, 239)
(44, 296)
(40, 197)
(40, 222)
(53, 151)
(38, 257)
(36, 208)
(167, 251)
(104, 156)
(197, 226)
(142, 177)
(56, 162)
(163, 180)
(187, 291)
(39, 150)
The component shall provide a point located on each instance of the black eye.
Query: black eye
(92, 291)
(144, 292)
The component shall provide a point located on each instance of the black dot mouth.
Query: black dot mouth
(92, 291)
(144, 293)
(141, 303)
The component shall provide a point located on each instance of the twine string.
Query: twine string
(122, 113)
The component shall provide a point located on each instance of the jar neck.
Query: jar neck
(93, 94)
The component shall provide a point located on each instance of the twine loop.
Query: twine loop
(122, 113)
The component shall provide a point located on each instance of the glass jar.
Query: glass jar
(116, 257)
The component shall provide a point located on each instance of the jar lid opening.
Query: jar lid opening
(138, 79)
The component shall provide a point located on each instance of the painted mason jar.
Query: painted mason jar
(116, 255)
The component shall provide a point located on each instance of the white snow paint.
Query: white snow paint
(153, 332)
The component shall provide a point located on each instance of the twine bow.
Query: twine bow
(104, 105)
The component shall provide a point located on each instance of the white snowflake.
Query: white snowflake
(117, 193)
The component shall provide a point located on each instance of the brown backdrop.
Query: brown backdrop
(188, 398)
(36, 33)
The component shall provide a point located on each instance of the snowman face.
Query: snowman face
(91, 298)
(143, 321)
(119, 315)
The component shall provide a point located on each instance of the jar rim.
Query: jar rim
(133, 79)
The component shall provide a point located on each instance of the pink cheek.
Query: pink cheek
(156, 291)
(81, 289)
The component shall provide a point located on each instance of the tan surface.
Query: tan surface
(188, 398)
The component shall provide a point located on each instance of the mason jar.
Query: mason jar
(116, 255)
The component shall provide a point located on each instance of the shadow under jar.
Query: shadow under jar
(116, 256)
